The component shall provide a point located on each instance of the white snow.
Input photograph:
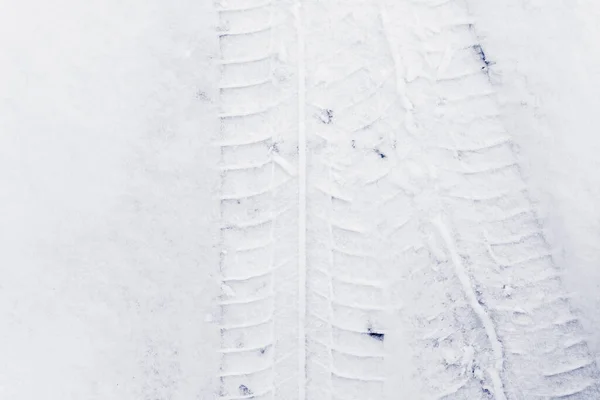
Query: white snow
(302, 190)
(547, 73)
(479, 309)
(105, 175)
(108, 167)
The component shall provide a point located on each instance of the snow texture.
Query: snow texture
(108, 261)
(292, 199)
(546, 73)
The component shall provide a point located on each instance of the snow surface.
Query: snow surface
(107, 111)
(106, 179)
(547, 74)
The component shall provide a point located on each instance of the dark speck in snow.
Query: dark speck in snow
(326, 116)
(380, 154)
(375, 335)
(244, 390)
(479, 50)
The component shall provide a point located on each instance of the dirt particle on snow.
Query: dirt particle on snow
(479, 50)
(375, 335)
(244, 391)
(379, 153)
(274, 148)
(326, 116)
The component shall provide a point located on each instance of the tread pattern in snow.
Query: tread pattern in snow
(534, 343)
(258, 205)
(413, 198)
(350, 95)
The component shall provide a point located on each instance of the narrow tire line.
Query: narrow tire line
(301, 202)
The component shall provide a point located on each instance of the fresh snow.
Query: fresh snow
(141, 258)
(546, 59)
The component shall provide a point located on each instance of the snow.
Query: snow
(477, 307)
(104, 169)
(109, 200)
(547, 73)
(302, 214)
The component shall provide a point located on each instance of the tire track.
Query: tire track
(497, 242)
(444, 350)
(351, 96)
(259, 270)
(364, 167)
